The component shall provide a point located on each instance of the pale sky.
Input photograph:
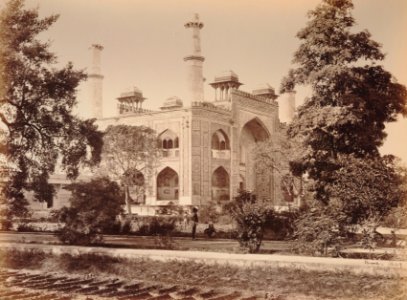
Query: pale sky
(145, 42)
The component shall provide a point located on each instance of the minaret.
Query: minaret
(194, 62)
(96, 83)
(286, 106)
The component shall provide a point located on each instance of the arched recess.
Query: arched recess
(167, 185)
(220, 140)
(220, 185)
(257, 129)
(169, 139)
(253, 131)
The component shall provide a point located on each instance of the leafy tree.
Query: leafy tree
(36, 102)
(130, 153)
(94, 208)
(250, 215)
(343, 121)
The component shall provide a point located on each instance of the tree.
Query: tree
(38, 127)
(94, 208)
(272, 156)
(344, 119)
(130, 154)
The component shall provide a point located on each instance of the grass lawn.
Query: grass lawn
(289, 283)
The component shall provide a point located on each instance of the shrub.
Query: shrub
(280, 225)
(209, 213)
(18, 259)
(250, 216)
(87, 262)
(94, 208)
(157, 226)
(26, 227)
(316, 231)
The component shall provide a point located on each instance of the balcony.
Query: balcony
(221, 154)
(170, 153)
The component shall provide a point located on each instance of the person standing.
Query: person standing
(194, 221)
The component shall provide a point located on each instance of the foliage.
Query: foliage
(209, 213)
(280, 225)
(341, 126)
(350, 101)
(316, 231)
(22, 259)
(38, 128)
(88, 262)
(365, 188)
(158, 226)
(397, 217)
(272, 156)
(130, 153)
(95, 206)
(250, 216)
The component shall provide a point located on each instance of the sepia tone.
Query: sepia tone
(206, 77)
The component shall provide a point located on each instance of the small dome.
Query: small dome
(131, 92)
(171, 103)
(265, 90)
(228, 75)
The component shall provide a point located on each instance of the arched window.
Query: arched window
(220, 140)
(169, 139)
(167, 185)
(169, 144)
(220, 185)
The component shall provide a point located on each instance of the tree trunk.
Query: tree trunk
(127, 200)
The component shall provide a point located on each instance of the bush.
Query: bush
(316, 231)
(19, 259)
(280, 225)
(87, 262)
(208, 213)
(25, 227)
(94, 208)
(158, 227)
(250, 216)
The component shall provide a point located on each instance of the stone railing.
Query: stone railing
(221, 154)
(170, 153)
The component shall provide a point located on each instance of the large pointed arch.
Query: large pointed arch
(253, 132)
(220, 184)
(167, 184)
(257, 128)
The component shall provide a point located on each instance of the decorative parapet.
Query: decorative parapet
(253, 97)
(128, 109)
(210, 106)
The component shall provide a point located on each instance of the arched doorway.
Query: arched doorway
(167, 185)
(220, 185)
(252, 132)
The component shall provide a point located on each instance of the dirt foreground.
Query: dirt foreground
(254, 282)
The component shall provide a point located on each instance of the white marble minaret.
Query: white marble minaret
(95, 79)
(194, 61)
